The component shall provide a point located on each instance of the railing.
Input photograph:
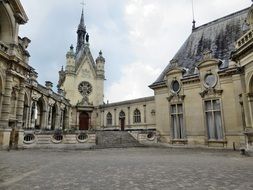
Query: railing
(244, 39)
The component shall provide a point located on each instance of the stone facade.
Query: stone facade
(202, 98)
(82, 81)
(24, 104)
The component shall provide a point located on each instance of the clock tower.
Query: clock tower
(82, 81)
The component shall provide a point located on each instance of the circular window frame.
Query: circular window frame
(153, 136)
(215, 82)
(31, 141)
(171, 86)
(80, 140)
(54, 140)
(85, 83)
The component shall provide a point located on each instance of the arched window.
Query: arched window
(137, 116)
(109, 119)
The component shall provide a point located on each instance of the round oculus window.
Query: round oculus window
(175, 86)
(210, 80)
(85, 88)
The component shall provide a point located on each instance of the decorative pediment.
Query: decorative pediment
(176, 98)
(211, 92)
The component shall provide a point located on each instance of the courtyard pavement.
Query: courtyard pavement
(125, 169)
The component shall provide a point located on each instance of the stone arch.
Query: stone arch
(109, 118)
(40, 115)
(1, 92)
(55, 116)
(250, 84)
(122, 118)
(7, 27)
(137, 116)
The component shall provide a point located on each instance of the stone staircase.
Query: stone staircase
(115, 139)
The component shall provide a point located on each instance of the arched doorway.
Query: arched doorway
(122, 117)
(84, 121)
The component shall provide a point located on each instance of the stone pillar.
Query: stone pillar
(20, 106)
(128, 115)
(32, 115)
(57, 121)
(61, 119)
(66, 119)
(115, 119)
(49, 117)
(6, 106)
(145, 114)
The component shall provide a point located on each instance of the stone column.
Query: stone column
(115, 119)
(49, 117)
(128, 115)
(20, 105)
(6, 106)
(57, 120)
(145, 114)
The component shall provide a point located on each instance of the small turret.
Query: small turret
(100, 63)
(70, 60)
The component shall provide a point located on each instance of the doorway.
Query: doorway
(122, 117)
(84, 121)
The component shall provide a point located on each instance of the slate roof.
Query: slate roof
(219, 36)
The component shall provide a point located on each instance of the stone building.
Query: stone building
(202, 98)
(24, 104)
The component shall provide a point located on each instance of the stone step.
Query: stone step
(115, 139)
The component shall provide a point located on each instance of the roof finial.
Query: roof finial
(193, 17)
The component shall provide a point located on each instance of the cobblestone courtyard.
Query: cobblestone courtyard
(130, 169)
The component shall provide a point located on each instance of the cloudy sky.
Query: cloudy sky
(138, 37)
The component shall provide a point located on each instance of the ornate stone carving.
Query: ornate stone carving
(176, 97)
(211, 92)
(207, 54)
(62, 106)
(35, 95)
(51, 102)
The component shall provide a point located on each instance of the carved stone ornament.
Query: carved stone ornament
(35, 95)
(62, 106)
(84, 102)
(51, 102)
(175, 97)
(207, 54)
(174, 63)
(211, 92)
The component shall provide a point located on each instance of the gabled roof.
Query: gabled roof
(219, 36)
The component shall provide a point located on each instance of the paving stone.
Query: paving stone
(125, 169)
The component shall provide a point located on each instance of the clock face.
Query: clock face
(85, 88)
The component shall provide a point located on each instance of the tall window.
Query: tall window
(213, 119)
(137, 116)
(109, 119)
(177, 120)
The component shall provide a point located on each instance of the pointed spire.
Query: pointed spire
(81, 25)
(81, 32)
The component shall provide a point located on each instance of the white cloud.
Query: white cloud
(133, 82)
(138, 37)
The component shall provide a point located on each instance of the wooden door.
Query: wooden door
(122, 124)
(84, 121)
